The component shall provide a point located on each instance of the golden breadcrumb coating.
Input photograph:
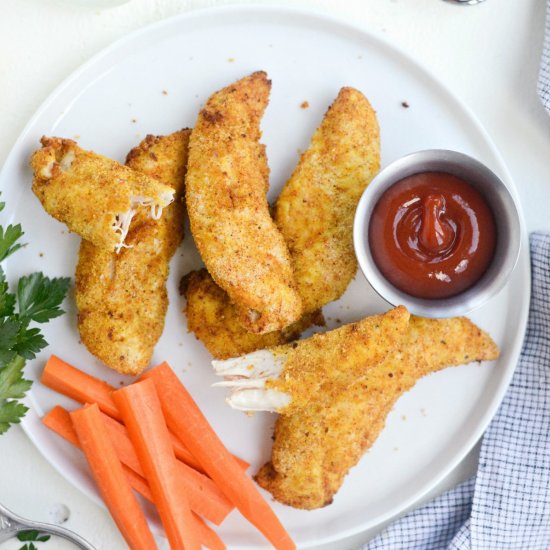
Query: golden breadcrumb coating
(94, 196)
(337, 358)
(327, 165)
(315, 447)
(226, 188)
(316, 207)
(121, 298)
(165, 159)
(213, 319)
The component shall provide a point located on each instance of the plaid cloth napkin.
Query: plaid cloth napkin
(506, 506)
(543, 85)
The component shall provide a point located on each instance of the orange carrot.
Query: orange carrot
(208, 536)
(183, 454)
(85, 388)
(141, 411)
(82, 387)
(204, 496)
(110, 478)
(138, 483)
(188, 423)
(59, 420)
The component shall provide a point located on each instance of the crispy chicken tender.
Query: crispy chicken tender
(314, 448)
(165, 159)
(287, 378)
(213, 319)
(315, 212)
(226, 188)
(315, 209)
(94, 196)
(121, 298)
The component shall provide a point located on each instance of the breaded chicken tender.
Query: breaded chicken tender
(315, 209)
(315, 213)
(165, 159)
(227, 181)
(94, 196)
(212, 318)
(288, 378)
(315, 447)
(121, 298)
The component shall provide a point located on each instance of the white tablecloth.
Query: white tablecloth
(488, 54)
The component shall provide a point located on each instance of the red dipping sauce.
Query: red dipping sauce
(432, 235)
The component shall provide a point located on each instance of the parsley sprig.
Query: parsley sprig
(37, 299)
(34, 536)
(9, 237)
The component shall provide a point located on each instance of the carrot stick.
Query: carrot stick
(82, 387)
(187, 421)
(204, 496)
(138, 483)
(59, 420)
(208, 536)
(111, 479)
(85, 388)
(183, 453)
(141, 411)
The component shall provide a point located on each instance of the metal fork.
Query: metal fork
(12, 524)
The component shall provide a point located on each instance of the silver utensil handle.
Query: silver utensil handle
(60, 532)
(8, 528)
(11, 525)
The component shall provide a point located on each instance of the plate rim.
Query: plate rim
(317, 16)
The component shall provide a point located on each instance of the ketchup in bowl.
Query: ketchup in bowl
(432, 235)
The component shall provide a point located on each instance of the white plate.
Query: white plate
(117, 98)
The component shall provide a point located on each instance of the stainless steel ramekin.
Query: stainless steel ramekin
(498, 198)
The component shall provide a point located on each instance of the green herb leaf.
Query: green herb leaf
(7, 303)
(9, 330)
(29, 342)
(7, 300)
(31, 534)
(12, 386)
(6, 357)
(39, 297)
(11, 412)
(8, 239)
(12, 383)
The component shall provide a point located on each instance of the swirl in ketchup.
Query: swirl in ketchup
(432, 235)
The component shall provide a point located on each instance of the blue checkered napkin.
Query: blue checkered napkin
(506, 506)
(543, 85)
